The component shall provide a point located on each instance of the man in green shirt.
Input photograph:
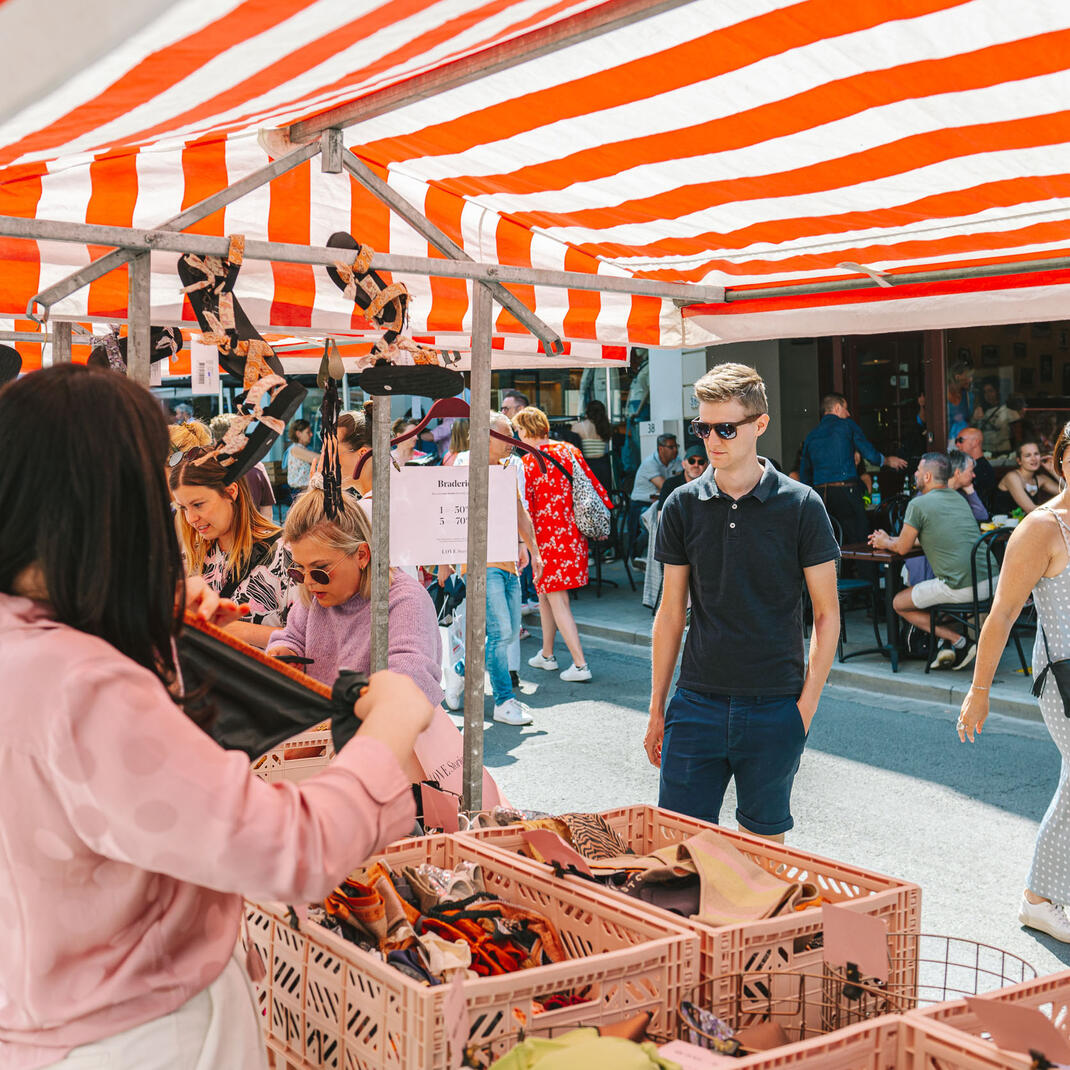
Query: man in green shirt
(941, 520)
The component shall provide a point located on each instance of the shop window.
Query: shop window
(1011, 381)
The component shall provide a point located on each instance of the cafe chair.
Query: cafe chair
(852, 589)
(968, 614)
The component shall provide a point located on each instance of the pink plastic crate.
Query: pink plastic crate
(777, 945)
(873, 1045)
(298, 757)
(328, 1003)
(948, 1036)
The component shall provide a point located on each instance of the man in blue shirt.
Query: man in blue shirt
(828, 465)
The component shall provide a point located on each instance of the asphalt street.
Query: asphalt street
(884, 784)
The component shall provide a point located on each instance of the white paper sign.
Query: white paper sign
(204, 368)
(429, 516)
(156, 372)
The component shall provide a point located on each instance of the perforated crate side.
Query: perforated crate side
(931, 1045)
(951, 1026)
(296, 758)
(874, 1045)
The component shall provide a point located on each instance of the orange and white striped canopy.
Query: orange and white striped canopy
(742, 143)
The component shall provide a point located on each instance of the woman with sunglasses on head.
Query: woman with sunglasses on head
(129, 834)
(330, 621)
(562, 544)
(238, 551)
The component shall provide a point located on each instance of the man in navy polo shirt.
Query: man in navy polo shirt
(742, 540)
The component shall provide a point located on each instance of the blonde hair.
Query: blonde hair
(459, 436)
(532, 421)
(185, 436)
(220, 425)
(249, 524)
(734, 382)
(345, 533)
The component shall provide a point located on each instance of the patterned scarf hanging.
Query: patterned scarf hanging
(331, 371)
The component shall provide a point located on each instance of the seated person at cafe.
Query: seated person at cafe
(828, 465)
(943, 523)
(1031, 484)
(649, 478)
(970, 440)
(918, 568)
(695, 464)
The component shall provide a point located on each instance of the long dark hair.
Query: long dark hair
(83, 497)
(596, 413)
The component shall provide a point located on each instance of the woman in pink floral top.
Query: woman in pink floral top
(128, 835)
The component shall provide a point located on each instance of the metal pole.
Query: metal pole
(380, 532)
(445, 244)
(138, 312)
(61, 342)
(345, 396)
(170, 241)
(475, 635)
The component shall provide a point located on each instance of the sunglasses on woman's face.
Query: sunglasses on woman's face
(725, 430)
(322, 576)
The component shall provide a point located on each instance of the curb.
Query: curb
(878, 681)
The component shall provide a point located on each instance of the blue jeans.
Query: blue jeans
(527, 586)
(503, 626)
(711, 738)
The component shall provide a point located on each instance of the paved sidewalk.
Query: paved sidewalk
(620, 616)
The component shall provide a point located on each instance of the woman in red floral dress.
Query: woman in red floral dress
(562, 545)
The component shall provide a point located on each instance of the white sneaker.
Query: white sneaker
(529, 607)
(512, 712)
(539, 662)
(1046, 918)
(945, 655)
(454, 695)
(576, 674)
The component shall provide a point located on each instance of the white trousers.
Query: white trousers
(216, 1029)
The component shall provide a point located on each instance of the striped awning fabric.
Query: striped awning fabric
(743, 143)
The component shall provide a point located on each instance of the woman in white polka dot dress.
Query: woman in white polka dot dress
(1038, 562)
(127, 835)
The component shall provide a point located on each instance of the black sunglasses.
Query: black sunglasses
(696, 460)
(725, 430)
(322, 576)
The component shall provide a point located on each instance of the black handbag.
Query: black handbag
(1058, 669)
(257, 701)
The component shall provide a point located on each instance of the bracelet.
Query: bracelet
(978, 687)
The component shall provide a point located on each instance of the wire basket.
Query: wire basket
(812, 1004)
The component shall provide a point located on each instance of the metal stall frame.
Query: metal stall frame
(132, 246)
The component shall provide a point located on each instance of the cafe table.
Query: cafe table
(892, 563)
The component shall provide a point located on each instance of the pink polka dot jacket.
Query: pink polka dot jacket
(127, 837)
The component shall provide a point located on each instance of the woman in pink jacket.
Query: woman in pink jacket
(127, 836)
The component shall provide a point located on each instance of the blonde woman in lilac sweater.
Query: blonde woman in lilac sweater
(330, 622)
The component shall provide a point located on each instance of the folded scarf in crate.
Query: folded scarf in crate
(703, 877)
(415, 920)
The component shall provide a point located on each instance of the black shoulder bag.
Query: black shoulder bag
(1060, 670)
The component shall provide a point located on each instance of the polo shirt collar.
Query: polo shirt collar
(760, 491)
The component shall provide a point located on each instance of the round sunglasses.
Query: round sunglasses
(322, 576)
(725, 430)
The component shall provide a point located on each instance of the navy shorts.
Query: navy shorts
(711, 738)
